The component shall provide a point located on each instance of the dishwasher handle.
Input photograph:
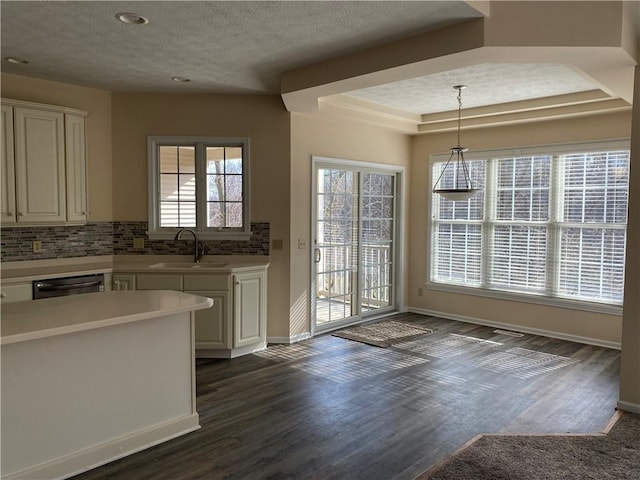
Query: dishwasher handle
(46, 287)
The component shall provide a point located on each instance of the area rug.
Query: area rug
(383, 334)
(599, 456)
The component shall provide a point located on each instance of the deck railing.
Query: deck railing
(338, 266)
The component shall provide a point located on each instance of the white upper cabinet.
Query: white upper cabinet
(76, 168)
(40, 167)
(7, 171)
(48, 161)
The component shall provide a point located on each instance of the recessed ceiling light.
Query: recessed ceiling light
(132, 18)
(16, 60)
(181, 79)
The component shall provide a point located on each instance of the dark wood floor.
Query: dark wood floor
(330, 408)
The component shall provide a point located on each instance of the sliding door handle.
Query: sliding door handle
(317, 255)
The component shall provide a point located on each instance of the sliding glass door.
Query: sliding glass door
(354, 242)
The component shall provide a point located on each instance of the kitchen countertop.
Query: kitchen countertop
(30, 320)
(21, 272)
(185, 264)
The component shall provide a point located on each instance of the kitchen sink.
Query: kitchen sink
(187, 265)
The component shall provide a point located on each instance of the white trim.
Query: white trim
(519, 328)
(629, 407)
(400, 201)
(561, 148)
(553, 226)
(357, 164)
(233, 353)
(156, 232)
(202, 235)
(42, 106)
(557, 302)
(92, 457)
(298, 337)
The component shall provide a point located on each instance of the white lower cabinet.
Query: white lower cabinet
(249, 294)
(235, 325)
(212, 329)
(16, 293)
(123, 282)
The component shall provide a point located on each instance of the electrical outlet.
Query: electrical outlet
(138, 242)
(302, 244)
(37, 246)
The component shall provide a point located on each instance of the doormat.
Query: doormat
(383, 334)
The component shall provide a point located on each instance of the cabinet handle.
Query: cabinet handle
(20, 214)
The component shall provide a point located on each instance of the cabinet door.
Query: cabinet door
(211, 330)
(75, 157)
(124, 282)
(249, 309)
(39, 165)
(16, 293)
(159, 282)
(7, 172)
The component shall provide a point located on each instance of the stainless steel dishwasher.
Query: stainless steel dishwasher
(58, 287)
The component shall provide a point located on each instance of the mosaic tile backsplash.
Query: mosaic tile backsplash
(114, 238)
(124, 233)
(57, 242)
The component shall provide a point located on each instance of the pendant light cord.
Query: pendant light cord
(459, 112)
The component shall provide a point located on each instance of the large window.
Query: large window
(550, 223)
(198, 183)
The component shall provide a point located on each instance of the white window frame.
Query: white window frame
(155, 231)
(535, 298)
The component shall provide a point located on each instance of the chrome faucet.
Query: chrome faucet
(198, 247)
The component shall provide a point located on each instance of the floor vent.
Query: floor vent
(507, 332)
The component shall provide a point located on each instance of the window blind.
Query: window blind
(550, 222)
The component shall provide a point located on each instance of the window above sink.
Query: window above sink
(200, 183)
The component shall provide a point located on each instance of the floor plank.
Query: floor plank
(331, 408)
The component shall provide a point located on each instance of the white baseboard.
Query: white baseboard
(226, 353)
(629, 407)
(298, 337)
(519, 328)
(92, 457)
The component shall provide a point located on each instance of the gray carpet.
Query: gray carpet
(383, 334)
(615, 455)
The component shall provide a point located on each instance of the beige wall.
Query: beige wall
(606, 328)
(98, 130)
(330, 138)
(260, 117)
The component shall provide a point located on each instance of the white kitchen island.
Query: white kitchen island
(90, 378)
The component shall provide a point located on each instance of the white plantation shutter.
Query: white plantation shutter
(550, 222)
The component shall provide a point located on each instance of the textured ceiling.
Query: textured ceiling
(223, 47)
(246, 47)
(487, 84)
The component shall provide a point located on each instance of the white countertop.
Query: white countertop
(21, 272)
(30, 320)
(185, 264)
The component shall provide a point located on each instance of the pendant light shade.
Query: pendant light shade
(462, 188)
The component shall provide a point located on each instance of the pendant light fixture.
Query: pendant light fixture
(462, 188)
